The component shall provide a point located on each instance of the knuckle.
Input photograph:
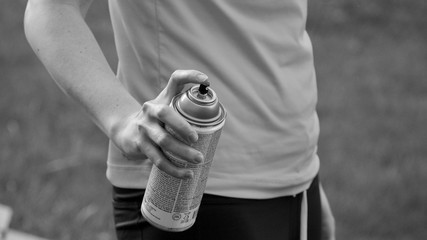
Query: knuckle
(140, 127)
(133, 152)
(169, 168)
(162, 112)
(138, 147)
(161, 164)
(143, 129)
(163, 140)
(147, 107)
(157, 161)
(176, 74)
(134, 148)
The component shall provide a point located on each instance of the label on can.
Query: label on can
(171, 203)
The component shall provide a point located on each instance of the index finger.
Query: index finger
(179, 126)
(178, 80)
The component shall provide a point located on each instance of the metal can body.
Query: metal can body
(171, 203)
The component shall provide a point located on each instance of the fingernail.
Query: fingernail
(199, 158)
(194, 137)
(202, 77)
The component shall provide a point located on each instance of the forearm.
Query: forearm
(66, 46)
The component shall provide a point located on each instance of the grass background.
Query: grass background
(371, 60)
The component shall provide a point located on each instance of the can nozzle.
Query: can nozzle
(199, 105)
(203, 89)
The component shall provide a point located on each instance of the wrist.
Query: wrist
(119, 120)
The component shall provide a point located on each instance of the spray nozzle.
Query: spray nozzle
(203, 88)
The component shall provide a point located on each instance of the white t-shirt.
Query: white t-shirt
(259, 60)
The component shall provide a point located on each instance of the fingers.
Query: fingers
(159, 159)
(165, 114)
(176, 122)
(182, 77)
(170, 144)
(154, 139)
(163, 141)
(141, 136)
(171, 118)
(179, 78)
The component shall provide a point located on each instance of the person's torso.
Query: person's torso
(259, 60)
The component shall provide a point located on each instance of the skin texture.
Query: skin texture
(58, 34)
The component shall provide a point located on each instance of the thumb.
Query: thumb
(178, 80)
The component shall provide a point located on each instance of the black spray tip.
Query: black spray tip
(203, 88)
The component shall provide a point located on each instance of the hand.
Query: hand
(142, 134)
(328, 220)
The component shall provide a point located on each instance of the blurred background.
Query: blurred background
(371, 60)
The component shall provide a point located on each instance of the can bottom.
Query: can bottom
(147, 218)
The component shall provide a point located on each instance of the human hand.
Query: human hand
(142, 134)
(328, 220)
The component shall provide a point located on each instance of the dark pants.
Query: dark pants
(224, 218)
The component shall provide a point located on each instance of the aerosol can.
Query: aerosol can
(171, 203)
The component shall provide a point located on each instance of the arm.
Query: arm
(63, 42)
(59, 36)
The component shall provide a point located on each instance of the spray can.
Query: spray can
(170, 203)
